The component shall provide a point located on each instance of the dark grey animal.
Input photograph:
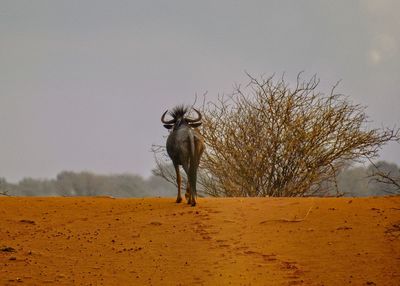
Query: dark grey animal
(185, 146)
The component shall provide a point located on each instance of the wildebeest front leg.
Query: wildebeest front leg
(178, 182)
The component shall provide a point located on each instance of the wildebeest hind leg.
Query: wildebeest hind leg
(187, 194)
(178, 182)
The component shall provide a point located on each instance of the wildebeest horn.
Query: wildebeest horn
(198, 116)
(167, 121)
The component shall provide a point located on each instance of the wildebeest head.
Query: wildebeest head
(179, 118)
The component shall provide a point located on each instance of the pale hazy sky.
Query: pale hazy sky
(83, 83)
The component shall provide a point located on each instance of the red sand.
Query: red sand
(238, 241)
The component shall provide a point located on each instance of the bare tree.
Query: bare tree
(268, 139)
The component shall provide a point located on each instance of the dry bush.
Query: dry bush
(268, 139)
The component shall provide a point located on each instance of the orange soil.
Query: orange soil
(238, 241)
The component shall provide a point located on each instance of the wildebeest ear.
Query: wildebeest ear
(194, 125)
(168, 126)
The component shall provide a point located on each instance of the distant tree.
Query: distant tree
(121, 185)
(127, 185)
(352, 181)
(69, 183)
(159, 187)
(4, 188)
(65, 183)
(268, 139)
(87, 184)
(384, 177)
(78, 184)
(34, 187)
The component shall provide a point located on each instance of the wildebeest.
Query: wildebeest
(185, 146)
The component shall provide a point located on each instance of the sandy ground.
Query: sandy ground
(238, 241)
